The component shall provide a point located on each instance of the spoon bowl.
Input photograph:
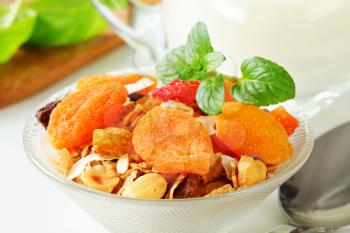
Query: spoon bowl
(317, 197)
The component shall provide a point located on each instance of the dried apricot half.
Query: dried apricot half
(289, 122)
(246, 130)
(173, 142)
(96, 80)
(75, 118)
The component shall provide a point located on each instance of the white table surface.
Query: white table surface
(30, 203)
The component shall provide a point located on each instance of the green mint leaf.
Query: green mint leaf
(198, 44)
(65, 22)
(17, 33)
(189, 74)
(214, 60)
(173, 65)
(264, 83)
(210, 95)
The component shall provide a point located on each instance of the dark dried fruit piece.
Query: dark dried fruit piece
(194, 186)
(190, 187)
(135, 96)
(43, 114)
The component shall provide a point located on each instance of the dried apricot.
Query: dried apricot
(96, 80)
(75, 118)
(246, 129)
(289, 122)
(173, 141)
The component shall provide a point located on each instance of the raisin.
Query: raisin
(135, 96)
(43, 114)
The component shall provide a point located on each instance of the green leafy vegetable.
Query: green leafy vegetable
(263, 83)
(65, 22)
(210, 95)
(16, 26)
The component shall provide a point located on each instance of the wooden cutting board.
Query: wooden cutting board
(33, 69)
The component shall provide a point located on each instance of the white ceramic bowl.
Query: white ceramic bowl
(121, 214)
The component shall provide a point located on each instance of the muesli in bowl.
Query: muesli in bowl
(186, 132)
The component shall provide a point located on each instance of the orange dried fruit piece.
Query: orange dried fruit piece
(75, 118)
(97, 80)
(289, 122)
(173, 142)
(246, 130)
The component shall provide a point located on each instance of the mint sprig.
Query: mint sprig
(263, 82)
(192, 61)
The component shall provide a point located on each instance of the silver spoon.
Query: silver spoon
(317, 198)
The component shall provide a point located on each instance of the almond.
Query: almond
(148, 186)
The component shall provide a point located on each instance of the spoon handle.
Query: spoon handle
(313, 105)
(288, 229)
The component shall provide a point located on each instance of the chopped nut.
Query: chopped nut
(223, 189)
(123, 164)
(97, 178)
(142, 167)
(227, 164)
(111, 168)
(131, 176)
(149, 186)
(85, 151)
(111, 141)
(209, 187)
(64, 163)
(234, 165)
(251, 171)
(178, 105)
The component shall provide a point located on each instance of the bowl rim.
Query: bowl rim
(30, 151)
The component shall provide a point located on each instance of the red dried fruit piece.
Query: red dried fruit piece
(173, 142)
(289, 122)
(75, 118)
(180, 90)
(246, 129)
